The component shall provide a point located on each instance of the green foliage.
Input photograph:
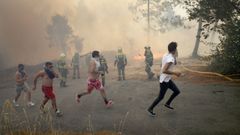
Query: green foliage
(227, 57)
(222, 16)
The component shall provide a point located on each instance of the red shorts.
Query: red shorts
(92, 83)
(48, 92)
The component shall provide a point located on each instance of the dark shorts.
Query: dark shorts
(20, 88)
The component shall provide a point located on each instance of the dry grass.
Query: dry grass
(11, 124)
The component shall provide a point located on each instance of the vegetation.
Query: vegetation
(222, 16)
(12, 124)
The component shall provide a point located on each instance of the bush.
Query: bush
(226, 59)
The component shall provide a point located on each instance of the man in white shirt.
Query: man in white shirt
(168, 62)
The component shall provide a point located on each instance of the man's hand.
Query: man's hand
(34, 87)
(26, 77)
(100, 72)
(178, 74)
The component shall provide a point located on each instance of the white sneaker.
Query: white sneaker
(59, 113)
(15, 103)
(30, 104)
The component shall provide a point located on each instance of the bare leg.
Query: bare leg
(43, 103)
(54, 104)
(104, 96)
(83, 94)
(17, 96)
(29, 96)
(80, 95)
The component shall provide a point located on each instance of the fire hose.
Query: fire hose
(210, 73)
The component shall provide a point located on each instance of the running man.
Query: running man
(21, 85)
(93, 79)
(168, 62)
(47, 75)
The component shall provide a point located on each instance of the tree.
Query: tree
(198, 38)
(161, 14)
(221, 16)
(59, 32)
(77, 42)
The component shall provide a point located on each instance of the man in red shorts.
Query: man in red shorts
(47, 75)
(93, 79)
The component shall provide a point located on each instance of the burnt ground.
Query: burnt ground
(207, 104)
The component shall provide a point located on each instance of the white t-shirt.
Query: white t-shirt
(167, 58)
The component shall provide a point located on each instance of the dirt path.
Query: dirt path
(206, 106)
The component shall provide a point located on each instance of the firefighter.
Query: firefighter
(121, 62)
(62, 68)
(103, 68)
(148, 61)
(75, 64)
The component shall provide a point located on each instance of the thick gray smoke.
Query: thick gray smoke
(102, 25)
(23, 31)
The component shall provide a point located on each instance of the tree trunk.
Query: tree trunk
(198, 37)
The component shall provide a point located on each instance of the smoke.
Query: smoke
(22, 30)
(102, 25)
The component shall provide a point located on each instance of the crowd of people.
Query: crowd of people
(97, 69)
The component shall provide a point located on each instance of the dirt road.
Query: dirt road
(206, 105)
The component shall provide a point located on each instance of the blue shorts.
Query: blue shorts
(20, 88)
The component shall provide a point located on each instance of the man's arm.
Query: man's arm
(55, 74)
(40, 74)
(167, 71)
(115, 62)
(26, 76)
(84, 54)
(125, 59)
(72, 62)
(19, 79)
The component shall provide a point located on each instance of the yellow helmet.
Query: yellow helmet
(62, 55)
(119, 50)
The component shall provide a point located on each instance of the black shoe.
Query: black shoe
(151, 113)
(168, 106)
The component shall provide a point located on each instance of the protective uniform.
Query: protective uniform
(88, 59)
(75, 65)
(103, 68)
(149, 62)
(121, 62)
(62, 68)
